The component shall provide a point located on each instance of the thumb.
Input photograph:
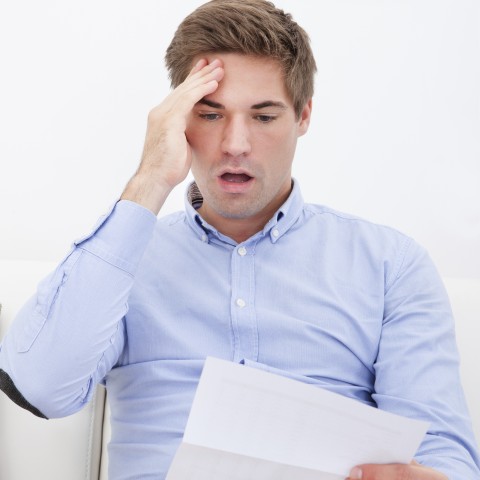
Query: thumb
(392, 471)
(395, 471)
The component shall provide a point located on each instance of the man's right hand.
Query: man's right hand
(166, 157)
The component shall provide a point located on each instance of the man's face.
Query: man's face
(243, 138)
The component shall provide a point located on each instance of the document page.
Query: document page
(247, 423)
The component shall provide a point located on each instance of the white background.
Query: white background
(395, 136)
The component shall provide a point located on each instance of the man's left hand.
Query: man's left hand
(413, 471)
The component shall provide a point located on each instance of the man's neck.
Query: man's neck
(238, 229)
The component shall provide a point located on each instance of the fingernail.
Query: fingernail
(356, 473)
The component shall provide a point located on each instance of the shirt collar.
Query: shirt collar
(275, 228)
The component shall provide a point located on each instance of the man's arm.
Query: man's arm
(71, 333)
(417, 371)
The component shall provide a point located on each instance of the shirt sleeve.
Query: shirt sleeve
(71, 332)
(417, 368)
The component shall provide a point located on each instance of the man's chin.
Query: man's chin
(233, 208)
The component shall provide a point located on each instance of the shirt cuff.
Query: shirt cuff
(121, 236)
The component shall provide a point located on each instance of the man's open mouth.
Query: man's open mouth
(236, 177)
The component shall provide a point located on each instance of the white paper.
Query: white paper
(246, 423)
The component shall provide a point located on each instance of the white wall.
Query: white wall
(395, 136)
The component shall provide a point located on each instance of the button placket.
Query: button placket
(244, 326)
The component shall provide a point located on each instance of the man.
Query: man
(247, 273)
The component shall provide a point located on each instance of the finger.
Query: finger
(200, 84)
(198, 87)
(202, 81)
(414, 471)
(212, 72)
(198, 66)
(207, 73)
(202, 67)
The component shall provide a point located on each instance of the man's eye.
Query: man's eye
(209, 116)
(265, 118)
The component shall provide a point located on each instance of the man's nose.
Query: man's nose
(236, 138)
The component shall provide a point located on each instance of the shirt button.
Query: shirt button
(240, 302)
(275, 233)
(204, 237)
(242, 251)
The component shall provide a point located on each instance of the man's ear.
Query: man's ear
(304, 120)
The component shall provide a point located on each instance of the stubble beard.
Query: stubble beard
(234, 207)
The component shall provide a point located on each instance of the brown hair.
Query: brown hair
(248, 27)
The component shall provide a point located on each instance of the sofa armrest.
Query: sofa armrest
(464, 294)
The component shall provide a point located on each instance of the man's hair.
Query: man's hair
(247, 27)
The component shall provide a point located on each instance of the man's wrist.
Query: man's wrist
(146, 192)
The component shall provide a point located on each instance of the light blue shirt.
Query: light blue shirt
(317, 295)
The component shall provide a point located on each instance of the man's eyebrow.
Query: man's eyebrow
(269, 103)
(211, 104)
(257, 106)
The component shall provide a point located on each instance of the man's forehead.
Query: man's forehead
(248, 82)
(237, 57)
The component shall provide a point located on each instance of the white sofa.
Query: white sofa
(75, 447)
